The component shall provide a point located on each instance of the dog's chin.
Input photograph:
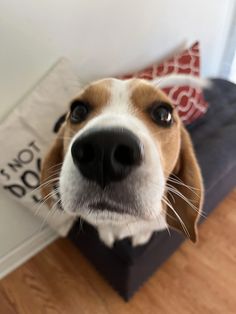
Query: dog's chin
(102, 213)
(105, 217)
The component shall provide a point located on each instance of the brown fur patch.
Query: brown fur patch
(97, 96)
(167, 139)
(144, 94)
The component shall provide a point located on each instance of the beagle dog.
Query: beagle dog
(124, 162)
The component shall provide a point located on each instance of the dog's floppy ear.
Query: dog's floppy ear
(51, 166)
(186, 188)
(59, 123)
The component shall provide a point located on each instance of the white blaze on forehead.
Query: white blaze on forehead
(119, 102)
(118, 111)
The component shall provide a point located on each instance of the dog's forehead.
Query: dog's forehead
(98, 93)
(122, 93)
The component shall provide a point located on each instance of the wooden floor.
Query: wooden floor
(196, 279)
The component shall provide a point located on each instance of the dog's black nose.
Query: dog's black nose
(107, 155)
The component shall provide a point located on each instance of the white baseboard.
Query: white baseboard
(26, 250)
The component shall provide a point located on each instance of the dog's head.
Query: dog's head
(123, 154)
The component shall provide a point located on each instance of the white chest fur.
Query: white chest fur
(140, 231)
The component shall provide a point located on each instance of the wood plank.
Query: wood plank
(196, 279)
(6, 307)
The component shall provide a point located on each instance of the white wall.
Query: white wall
(101, 38)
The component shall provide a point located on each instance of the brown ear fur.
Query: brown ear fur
(188, 171)
(50, 168)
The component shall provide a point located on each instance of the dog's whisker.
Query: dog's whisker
(46, 218)
(172, 197)
(52, 194)
(167, 202)
(50, 213)
(178, 193)
(48, 182)
(186, 186)
(53, 175)
(54, 166)
(175, 177)
(180, 219)
(180, 182)
(170, 188)
(54, 172)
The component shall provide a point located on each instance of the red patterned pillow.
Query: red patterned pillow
(189, 100)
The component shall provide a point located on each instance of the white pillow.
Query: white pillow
(25, 136)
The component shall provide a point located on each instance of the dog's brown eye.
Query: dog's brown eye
(79, 111)
(161, 113)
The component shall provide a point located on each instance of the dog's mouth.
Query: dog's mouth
(108, 206)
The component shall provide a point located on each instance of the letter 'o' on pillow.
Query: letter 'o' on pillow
(189, 100)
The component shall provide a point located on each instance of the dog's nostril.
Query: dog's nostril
(85, 153)
(107, 155)
(124, 155)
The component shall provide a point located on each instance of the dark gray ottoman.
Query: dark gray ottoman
(214, 137)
